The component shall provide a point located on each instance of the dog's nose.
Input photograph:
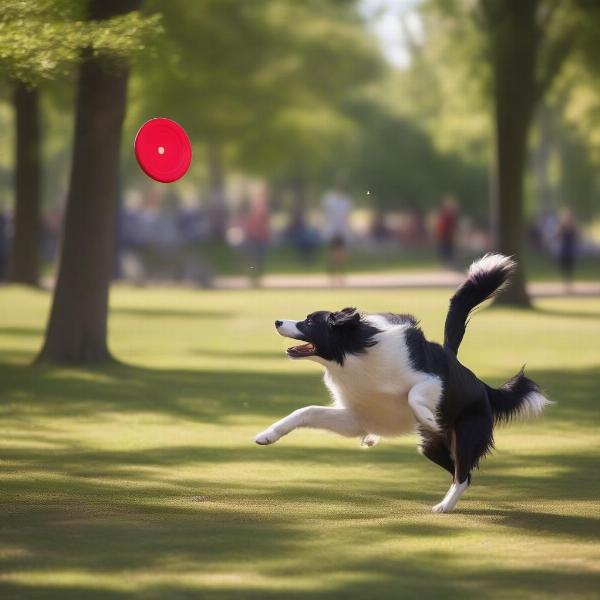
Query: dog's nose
(278, 324)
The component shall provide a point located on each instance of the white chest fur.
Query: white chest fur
(375, 385)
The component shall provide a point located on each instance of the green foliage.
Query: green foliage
(461, 38)
(263, 78)
(43, 39)
(398, 163)
(580, 179)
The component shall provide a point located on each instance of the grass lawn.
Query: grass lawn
(141, 480)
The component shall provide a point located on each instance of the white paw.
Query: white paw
(370, 440)
(266, 437)
(442, 507)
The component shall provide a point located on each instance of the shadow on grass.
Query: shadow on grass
(219, 396)
(233, 354)
(21, 331)
(574, 314)
(206, 396)
(68, 507)
(159, 313)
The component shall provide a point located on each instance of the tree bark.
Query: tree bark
(25, 255)
(77, 328)
(515, 43)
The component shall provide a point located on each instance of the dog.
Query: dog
(386, 379)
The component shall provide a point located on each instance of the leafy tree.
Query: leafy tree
(77, 327)
(398, 163)
(260, 83)
(34, 45)
(524, 44)
(41, 40)
(526, 48)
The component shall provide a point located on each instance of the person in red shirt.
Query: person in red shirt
(445, 230)
(257, 232)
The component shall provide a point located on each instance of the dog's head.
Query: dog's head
(329, 336)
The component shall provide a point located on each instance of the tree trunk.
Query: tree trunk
(514, 50)
(77, 329)
(25, 256)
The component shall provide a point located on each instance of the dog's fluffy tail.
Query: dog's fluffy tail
(486, 277)
(519, 397)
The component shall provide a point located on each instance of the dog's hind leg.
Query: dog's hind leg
(338, 420)
(435, 448)
(471, 440)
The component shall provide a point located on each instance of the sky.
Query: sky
(386, 18)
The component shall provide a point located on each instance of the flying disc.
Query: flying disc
(163, 150)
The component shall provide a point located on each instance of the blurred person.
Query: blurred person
(337, 207)
(445, 230)
(193, 228)
(380, 232)
(303, 237)
(419, 227)
(156, 238)
(567, 246)
(256, 223)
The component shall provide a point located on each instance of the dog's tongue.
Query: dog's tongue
(302, 349)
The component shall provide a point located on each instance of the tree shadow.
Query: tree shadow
(21, 331)
(206, 396)
(70, 507)
(179, 313)
(569, 313)
(231, 353)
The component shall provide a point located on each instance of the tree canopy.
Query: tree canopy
(43, 39)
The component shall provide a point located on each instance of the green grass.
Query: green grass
(141, 480)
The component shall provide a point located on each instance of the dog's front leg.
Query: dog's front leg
(338, 420)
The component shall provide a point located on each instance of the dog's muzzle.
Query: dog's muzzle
(288, 329)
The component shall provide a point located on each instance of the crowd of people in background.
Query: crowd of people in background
(164, 238)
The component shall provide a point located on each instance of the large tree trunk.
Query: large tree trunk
(514, 51)
(77, 329)
(25, 255)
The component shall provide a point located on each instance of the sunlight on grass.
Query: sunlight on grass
(141, 480)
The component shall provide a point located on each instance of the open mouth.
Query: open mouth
(302, 350)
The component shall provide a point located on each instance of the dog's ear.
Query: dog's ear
(347, 316)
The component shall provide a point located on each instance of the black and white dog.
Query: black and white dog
(386, 379)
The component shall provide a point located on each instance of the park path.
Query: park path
(408, 280)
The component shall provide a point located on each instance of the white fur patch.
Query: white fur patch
(492, 262)
(289, 329)
(449, 502)
(533, 405)
(374, 386)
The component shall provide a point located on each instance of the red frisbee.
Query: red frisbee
(163, 150)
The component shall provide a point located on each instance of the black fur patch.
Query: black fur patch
(335, 335)
(478, 287)
(507, 401)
